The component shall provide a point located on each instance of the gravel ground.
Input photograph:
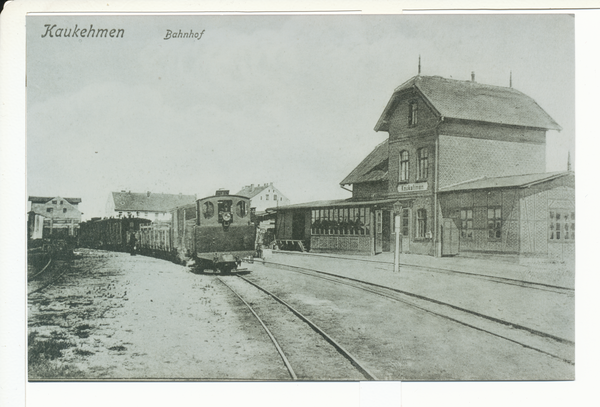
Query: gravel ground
(541, 310)
(399, 342)
(116, 316)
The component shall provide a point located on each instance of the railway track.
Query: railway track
(307, 351)
(49, 275)
(550, 345)
(502, 280)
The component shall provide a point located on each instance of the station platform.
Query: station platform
(548, 271)
(461, 282)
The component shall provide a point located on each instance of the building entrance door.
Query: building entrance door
(298, 226)
(450, 238)
(386, 231)
(378, 231)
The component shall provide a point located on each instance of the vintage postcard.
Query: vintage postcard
(346, 197)
(300, 197)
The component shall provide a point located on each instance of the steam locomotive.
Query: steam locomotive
(215, 233)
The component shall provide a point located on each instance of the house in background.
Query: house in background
(61, 216)
(263, 196)
(464, 168)
(146, 205)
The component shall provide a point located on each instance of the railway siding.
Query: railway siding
(541, 310)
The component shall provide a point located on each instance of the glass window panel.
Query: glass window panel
(490, 213)
(498, 213)
(557, 215)
(551, 215)
(557, 235)
(463, 214)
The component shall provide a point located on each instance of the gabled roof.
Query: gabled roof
(45, 199)
(149, 202)
(519, 181)
(469, 100)
(373, 168)
(250, 191)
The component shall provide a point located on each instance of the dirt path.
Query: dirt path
(122, 317)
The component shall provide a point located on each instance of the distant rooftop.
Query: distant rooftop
(44, 199)
(250, 191)
(149, 201)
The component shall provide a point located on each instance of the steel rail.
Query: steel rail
(52, 280)
(41, 271)
(353, 360)
(281, 353)
(498, 279)
(422, 297)
(357, 284)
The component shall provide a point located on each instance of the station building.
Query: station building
(463, 166)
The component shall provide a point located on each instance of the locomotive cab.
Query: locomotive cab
(224, 232)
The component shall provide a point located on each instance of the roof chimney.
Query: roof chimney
(148, 194)
(252, 186)
(472, 76)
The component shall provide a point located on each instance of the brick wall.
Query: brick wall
(536, 204)
(464, 159)
(341, 244)
(399, 126)
(479, 202)
(412, 144)
(369, 189)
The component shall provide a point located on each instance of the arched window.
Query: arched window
(412, 113)
(423, 158)
(403, 166)
(240, 209)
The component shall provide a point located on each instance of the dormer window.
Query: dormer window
(412, 113)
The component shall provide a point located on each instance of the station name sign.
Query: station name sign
(420, 186)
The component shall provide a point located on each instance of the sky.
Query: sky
(291, 100)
